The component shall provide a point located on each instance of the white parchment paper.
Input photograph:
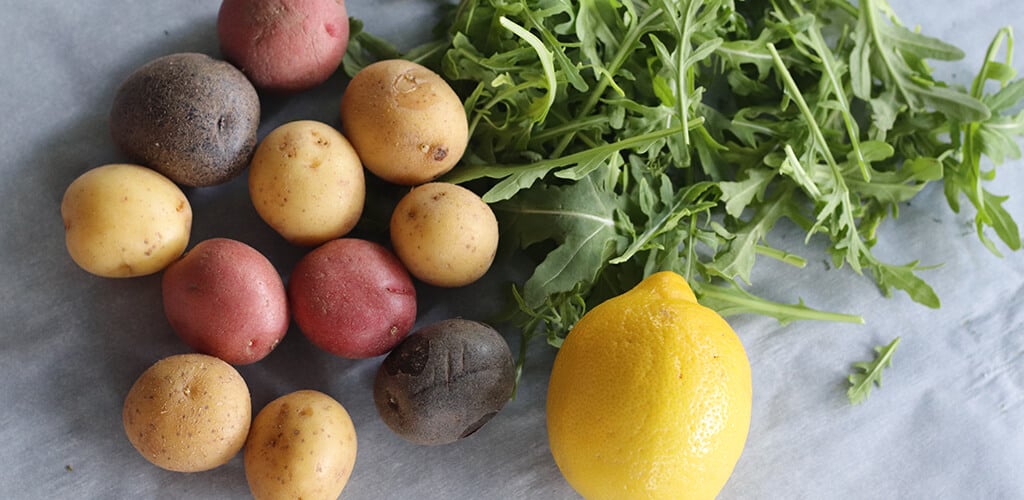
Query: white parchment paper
(946, 424)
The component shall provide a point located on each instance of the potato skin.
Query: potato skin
(225, 299)
(444, 381)
(123, 220)
(444, 234)
(405, 121)
(307, 183)
(188, 116)
(302, 445)
(188, 413)
(284, 45)
(353, 298)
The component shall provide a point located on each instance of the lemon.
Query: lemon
(649, 397)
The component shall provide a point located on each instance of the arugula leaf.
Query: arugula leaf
(871, 373)
(579, 217)
(743, 245)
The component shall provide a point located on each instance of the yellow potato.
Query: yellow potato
(444, 234)
(307, 182)
(406, 122)
(124, 220)
(302, 445)
(188, 413)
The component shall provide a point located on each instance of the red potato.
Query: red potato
(284, 45)
(352, 298)
(225, 299)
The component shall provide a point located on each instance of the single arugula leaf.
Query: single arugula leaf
(996, 217)
(738, 195)
(921, 46)
(579, 218)
(870, 373)
(890, 276)
(1006, 97)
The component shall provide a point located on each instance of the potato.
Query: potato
(284, 45)
(405, 121)
(352, 298)
(188, 116)
(307, 182)
(123, 220)
(444, 234)
(444, 382)
(188, 413)
(224, 298)
(302, 445)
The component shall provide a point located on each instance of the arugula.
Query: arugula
(619, 138)
(870, 372)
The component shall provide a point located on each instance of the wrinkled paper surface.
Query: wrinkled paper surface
(947, 422)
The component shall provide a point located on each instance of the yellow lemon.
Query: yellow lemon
(649, 397)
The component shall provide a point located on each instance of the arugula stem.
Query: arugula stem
(742, 303)
(978, 86)
(781, 256)
(568, 127)
(691, 251)
(472, 172)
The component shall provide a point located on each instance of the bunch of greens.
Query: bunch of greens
(615, 138)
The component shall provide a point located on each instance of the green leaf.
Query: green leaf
(546, 61)
(1007, 97)
(870, 373)
(738, 257)
(686, 203)
(952, 103)
(579, 218)
(921, 46)
(903, 278)
(739, 195)
(1000, 220)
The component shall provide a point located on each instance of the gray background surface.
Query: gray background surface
(947, 423)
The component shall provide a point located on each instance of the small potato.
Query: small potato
(352, 298)
(188, 116)
(405, 121)
(302, 445)
(188, 413)
(284, 45)
(224, 298)
(444, 234)
(124, 220)
(307, 182)
(444, 382)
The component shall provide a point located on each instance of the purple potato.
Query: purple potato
(444, 381)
